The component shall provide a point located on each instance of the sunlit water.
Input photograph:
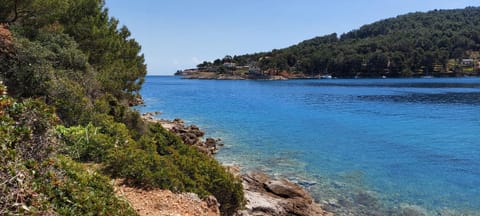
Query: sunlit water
(374, 145)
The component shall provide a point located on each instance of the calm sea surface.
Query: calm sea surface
(382, 144)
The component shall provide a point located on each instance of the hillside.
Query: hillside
(438, 43)
(68, 76)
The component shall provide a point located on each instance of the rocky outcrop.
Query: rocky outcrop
(267, 196)
(138, 100)
(190, 135)
(276, 77)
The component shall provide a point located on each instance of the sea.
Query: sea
(359, 146)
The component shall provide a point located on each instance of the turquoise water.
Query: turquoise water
(367, 144)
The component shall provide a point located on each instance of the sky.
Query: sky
(179, 34)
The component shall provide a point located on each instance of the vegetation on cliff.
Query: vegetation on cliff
(71, 74)
(439, 42)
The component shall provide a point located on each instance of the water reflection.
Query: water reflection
(470, 98)
(399, 83)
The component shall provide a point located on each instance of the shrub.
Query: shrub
(16, 194)
(210, 176)
(160, 160)
(69, 98)
(92, 143)
(36, 181)
(85, 143)
(73, 190)
(30, 72)
(145, 169)
(32, 134)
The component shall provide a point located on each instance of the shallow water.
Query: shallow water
(366, 144)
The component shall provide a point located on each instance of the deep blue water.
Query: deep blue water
(402, 141)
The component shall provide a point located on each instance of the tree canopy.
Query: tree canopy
(69, 74)
(408, 45)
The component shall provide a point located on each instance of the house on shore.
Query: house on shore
(467, 62)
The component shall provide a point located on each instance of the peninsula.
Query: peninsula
(440, 43)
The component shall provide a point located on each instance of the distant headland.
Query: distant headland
(439, 43)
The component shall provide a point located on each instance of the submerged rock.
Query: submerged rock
(366, 199)
(412, 210)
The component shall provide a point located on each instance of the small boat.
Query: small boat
(326, 77)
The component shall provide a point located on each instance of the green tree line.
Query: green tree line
(404, 46)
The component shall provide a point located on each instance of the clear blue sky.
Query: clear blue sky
(179, 34)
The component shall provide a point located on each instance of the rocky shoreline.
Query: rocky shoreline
(264, 195)
(269, 196)
(203, 75)
(190, 135)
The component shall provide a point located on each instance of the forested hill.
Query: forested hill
(439, 42)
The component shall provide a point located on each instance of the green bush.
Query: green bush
(85, 143)
(69, 98)
(30, 72)
(16, 194)
(73, 190)
(161, 160)
(145, 169)
(34, 180)
(92, 143)
(158, 159)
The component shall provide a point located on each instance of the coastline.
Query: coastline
(262, 200)
(201, 75)
(215, 76)
(264, 195)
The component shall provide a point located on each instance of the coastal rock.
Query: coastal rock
(277, 78)
(228, 77)
(258, 204)
(233, 169)
(266, 196)
(190, 135)
(178, 121)
(254, 181)
(210, 142)
(212, 202)
(150, 116)
(285, 188)
(136, 101)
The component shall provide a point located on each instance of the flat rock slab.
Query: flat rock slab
(286, 189)
(266, 196)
